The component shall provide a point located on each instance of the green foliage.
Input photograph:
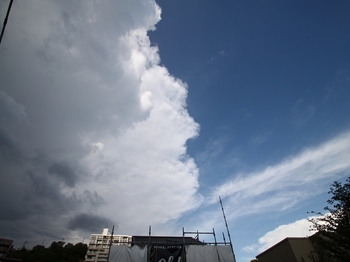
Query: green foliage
(332, 242)
(57, 252)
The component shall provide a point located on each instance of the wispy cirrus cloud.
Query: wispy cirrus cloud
(302, 112)
(283, 185)
(278, 188)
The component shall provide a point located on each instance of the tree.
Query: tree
(57, 252)
(332, 239)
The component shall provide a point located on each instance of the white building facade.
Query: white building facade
(100, 243)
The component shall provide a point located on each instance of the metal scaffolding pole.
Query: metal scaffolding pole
(110, 243)
(228, 232)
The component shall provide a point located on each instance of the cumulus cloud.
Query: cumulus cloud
(95, 127)
(299, 228)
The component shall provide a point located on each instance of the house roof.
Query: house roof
(287, 239)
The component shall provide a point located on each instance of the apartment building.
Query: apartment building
(100, 243)
(5, 246)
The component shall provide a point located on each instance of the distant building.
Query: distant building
(99, 245)
(5, 246)
(290, 249)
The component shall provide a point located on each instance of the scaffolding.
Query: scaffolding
(188, 247)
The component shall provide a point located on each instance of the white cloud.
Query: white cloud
(299, 228)
(105, 125)
(146, 100)
(277, 188)
(148, 169)
(282, 186)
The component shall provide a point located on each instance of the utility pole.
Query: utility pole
(6, 18)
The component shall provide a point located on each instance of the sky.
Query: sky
(139, 113)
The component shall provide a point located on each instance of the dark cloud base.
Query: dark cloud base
(89, 222)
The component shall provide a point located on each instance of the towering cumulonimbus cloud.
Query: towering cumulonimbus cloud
(93, 128)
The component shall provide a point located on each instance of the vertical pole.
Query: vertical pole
(228, 232)
(214, 237)
(110, 244)
(183, 236)
(5, 21)
(183, 253)
(216, 248)
(149, 245)
(223, 236)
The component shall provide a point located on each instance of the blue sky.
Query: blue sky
(267, 80)
(138, 113)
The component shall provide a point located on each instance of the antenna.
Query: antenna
(228, 232)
